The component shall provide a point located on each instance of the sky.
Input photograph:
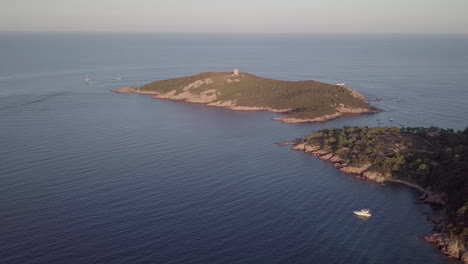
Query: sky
(237, 16)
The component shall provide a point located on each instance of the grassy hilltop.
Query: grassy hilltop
(299, 100)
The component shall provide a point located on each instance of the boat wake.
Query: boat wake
(29, 102)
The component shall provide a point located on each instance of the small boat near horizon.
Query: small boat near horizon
(87, 80)
(341, 84)
(119, 76)
(363, 212)
(391, 120)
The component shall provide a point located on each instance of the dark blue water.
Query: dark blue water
(89, 176)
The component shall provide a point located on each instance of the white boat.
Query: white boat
(119, 77)
(341, 84)
(87, 80)
(391, 120)
(363, 212)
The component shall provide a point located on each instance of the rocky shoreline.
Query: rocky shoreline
(365, 172)
(341, 111)
(449, 245)
(337, 162)
(209, 98)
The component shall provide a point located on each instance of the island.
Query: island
(298, 101)
(432, 160)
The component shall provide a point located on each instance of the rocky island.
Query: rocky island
(298, 101)
(432, 160)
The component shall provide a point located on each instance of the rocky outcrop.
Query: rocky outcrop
(289, 143)
(374, 176)
(293, 120)
(299, 146)
(335, 159)
(450, 246)
(356, 170)
(139, 91)
(165, 95)
(197, 84)
(233, 106)
(338, 162)
(464, 257)
(311, 148)
(125, 90)
(327, 156)
(355, 93)
(434, 198)
(341, 110)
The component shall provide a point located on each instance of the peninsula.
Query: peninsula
(298, 101)
(432, 160)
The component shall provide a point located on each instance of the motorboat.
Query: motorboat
(341, 84)
(363, 212)
(87, 80)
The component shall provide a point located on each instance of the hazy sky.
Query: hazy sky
(265, 16)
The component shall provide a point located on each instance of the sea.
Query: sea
(91, 176)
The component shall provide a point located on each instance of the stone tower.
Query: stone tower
(235, 72)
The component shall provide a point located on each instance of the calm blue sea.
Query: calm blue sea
(90, 176)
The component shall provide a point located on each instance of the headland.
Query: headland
(431, 160)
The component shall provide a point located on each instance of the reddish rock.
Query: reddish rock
(356, 170)
(449, 246)
(125, 90)
(374, 176)
(311, 148)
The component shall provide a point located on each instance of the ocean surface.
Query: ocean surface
(90, 176)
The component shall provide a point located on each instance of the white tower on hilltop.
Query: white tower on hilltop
(235, 72)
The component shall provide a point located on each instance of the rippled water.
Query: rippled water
(89, 176)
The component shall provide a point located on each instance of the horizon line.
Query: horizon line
(233, 33)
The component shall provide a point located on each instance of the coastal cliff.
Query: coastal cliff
(298, 101)
(431, 160)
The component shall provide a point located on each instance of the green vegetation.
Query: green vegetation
(304, 99)
(433, 158)
(381, 146)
